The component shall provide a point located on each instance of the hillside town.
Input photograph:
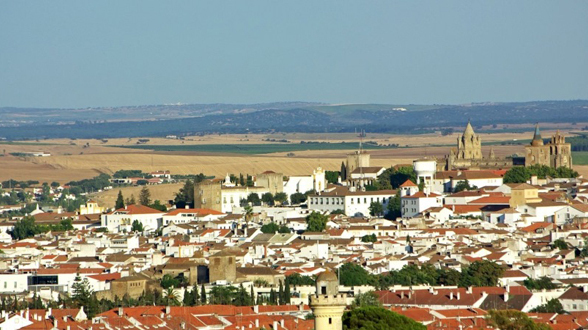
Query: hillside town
(451, 243)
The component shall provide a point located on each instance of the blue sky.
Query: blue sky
(111, 53)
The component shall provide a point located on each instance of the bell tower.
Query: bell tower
(327, 304)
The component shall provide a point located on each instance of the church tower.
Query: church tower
(469, 145)
(327, 304)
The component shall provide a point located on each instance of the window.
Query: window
(323, 289)
(330, 320)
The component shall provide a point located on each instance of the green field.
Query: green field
(580, 157)
(252, 149)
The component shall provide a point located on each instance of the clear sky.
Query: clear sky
(110, 53)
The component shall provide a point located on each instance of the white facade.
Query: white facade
(122, 219)
(351, 203)
(13, 283)
(417, 203)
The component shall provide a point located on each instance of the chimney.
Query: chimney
(256, 323)
(469, 290)
(506, 296)
(187, 207)
(402, 295)
(458, 295)
(275, 325)
(183, 325)
(451, 295)
(27, 314)
(120, 311)
(282, 323)
(67, 328)
(48, 312)
(167, 309)
(256, 309)
(54, 322)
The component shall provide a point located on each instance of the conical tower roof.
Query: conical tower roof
(469, 130)
(537, 140)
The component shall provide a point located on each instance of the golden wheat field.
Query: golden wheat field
(163, 192)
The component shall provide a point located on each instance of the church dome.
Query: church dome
(537, 140)
(327, 276)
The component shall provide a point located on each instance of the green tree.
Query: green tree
(203, 299)
(481, 273)
(517, 174)
(145, 196)
(539, 284)
(316, 222)
(338, 211)
(137, 226)
(297, 198)
(270, 228)
(131, 200)
(188, 298)
(158, 206)
(378, 318)
(170, 297)
(332, 176)
(24, 228)
(394, 208)
(267, 198)
(560, 244)
(296, 279)
(463, 185)
(185, 196)
(369, 238)
(54, 184)
(120, 202)
(512, 320)
(195, 295)
(552, 306)
(287, 293)
(353, 275)
(376, 209)
(222, 295)
(280, 198)
(167, 281)
(365, 299)
(254, 199)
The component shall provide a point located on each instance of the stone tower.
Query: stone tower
(560, 152)
(469, 145)
(223, 266)
(355, 160)
(327, 304)
(556, 153)
(207, 195)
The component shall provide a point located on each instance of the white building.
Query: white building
(123, 218)
(412, 205)
(351, 202)
(303, 183)
(182, 216)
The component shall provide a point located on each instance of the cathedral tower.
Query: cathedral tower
(469, 145)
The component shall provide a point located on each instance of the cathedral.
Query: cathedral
(468, 154)
(556, 153)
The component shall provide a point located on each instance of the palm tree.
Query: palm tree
(171, 297)
(248, 215)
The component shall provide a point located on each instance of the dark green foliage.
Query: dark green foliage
(369, 298)
(145, 196)
(552, 306)
(297, 280)
(203, 299)
(297, 198)
(120, 202)
(254, 199)
(560, 244)
(90, 185)
(332, 176)
(520, 174)
(129, 174)
(27, 227)
(167, 281)
(272, 227)
(354, 275)
(393, 210)
(539, 284)
(158, 206)
(185, 197)
(463, 185)
(137, 226)
(378, 318)
(376, 208)
(481, 273)
(268, 199)
(316, 222)
(369, 238)
(280, 197)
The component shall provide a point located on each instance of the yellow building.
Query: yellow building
(556, 153)
(91, 207)
(523, 194)
(327, 304)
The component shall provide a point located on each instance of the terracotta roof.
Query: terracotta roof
(408, 183)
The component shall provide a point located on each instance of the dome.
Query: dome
(327, 276)
(537, 140)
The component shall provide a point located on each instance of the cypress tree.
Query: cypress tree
(272, 297)
(202, 295)
(281, 294)
(195, 296)
(287, 293)
(120, 202)
(252, 295)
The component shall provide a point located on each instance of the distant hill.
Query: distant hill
(160, 120)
